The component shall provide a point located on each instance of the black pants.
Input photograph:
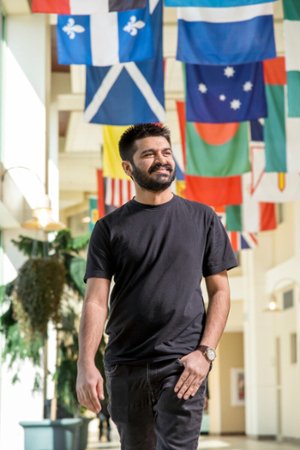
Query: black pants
(147, 411)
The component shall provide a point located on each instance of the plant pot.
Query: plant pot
(82, 439)
(51, 434)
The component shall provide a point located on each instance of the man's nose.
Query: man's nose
(160, 158)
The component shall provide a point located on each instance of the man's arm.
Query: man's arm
(89, 380)
(196, 366)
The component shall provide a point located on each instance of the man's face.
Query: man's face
(153, 165)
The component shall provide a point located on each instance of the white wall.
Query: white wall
(24, 143)
(264, 279)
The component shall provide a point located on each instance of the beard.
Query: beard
(160, 183)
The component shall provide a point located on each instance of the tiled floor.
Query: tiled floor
(215, 443)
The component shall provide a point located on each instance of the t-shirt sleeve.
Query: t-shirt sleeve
(99, 259)
(218, 254)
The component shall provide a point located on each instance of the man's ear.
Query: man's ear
(127, 168)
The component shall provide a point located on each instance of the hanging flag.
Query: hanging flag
(180, 188)
(291, 33)
(239, 240)
(100, 182)
(219, 94)
(221, 212)
(112, 162)
(257, 130)
(214, 3)
(242, 240)
(214, 150)
(129, 93)
(105, 39)
(93, 211)
(180, 106)
(218, 191)
(251, 216)
(211, 191)
(118, 192)
(281, 134)
(271, 187)
(224, 36)
(217, 150)
(85, 7)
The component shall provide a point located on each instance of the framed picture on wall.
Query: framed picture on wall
(237, 386)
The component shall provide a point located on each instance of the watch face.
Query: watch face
(211, 354)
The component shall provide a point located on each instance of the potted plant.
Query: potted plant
(66, 373)
(45, 286)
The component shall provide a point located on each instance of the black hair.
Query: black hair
(127, 147)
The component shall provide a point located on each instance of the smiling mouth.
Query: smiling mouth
(161, 169)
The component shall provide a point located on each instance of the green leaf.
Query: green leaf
(63, 241)
(2, 293)
(81, 242)
(31, 247)
(77, 271)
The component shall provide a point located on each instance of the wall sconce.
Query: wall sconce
(273, 305)
(42, 214)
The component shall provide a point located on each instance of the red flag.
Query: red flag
(214, 191)
(267, 216)
(51, 6)
(181, 118)
(100, 193)
(274, 71)
(84, 7)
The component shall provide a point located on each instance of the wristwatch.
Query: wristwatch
(208, 352)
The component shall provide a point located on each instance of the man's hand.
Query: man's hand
(196, 368)
(89, 387)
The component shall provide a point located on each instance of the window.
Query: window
(293, 338)
(238, 257)
(279, 212)
(288, 299)
(76, 225)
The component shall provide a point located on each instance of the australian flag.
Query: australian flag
(220, 94)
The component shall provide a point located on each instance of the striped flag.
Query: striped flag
(86, 7)
(213, 3)
(281, 133)
(239, 240)
(232, 35)
(251, 215)
(291, 32)
(118, 192)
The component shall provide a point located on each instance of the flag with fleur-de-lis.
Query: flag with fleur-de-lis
(129, 93)
(220, 94)
(105, 39)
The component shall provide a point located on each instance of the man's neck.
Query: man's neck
(152, 198)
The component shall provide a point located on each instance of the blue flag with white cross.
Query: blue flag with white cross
(130, 93)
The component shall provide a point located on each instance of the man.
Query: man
(161, 343)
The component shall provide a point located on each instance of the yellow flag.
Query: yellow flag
(112, 167)
(180, 188)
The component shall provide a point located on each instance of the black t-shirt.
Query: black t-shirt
(157, 255)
